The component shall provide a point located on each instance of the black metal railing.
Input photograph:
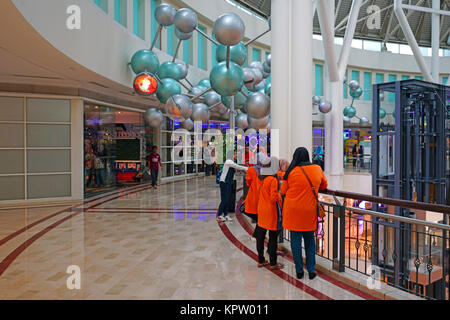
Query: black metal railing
(392, 241)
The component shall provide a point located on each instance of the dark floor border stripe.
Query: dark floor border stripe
(283, 275)
(338, 283)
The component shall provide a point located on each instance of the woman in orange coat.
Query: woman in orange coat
(253, 183)
(300, 208)
(269, 196)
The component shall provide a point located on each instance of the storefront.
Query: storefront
(116, 145)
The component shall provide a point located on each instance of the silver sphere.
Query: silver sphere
(257, 65)
(187, 124)
(229, 29)
(258, 75)
(211, 98)
(269, 60)
(195, 91)
(258, 105)
(346, 120)
(241, 121)
(363, 120)
(165, 14)
(226, 115)
(185, 20)
(178, 107)
(353, 85)
(325, 106)
(266, 67)
(259, 86)
(381, 96)
(258, 124)
(200, 112)
(154, 117)
(249, 77)
(184, 68)
(316, 100)
(183, 35)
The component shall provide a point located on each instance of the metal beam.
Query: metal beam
(403, 22)
(425, 9)
(328, 40)
(349, 34)
(389, 35)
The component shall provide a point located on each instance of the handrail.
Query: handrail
(395, 202)
(400, 218)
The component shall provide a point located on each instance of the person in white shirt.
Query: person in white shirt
(226, 179)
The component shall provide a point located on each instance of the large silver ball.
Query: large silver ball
(315, 100)
(186, 20)
(183, 35)
(257, 65)
(259, 86)
(249, 77)
(178, 107)
(258, 124)
(259, 76)
(165, 14)
(211, 98)
(353, 85)
(258, 105)
(187, 124)
(269, 60)
(195, 91)
(154, 117)
(200, 112)
(266, 67)
(184, 68)
(325, 106)
(241, 121)
(346, 120)
(363, 120)
(229, 29)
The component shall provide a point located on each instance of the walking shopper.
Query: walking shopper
(154, 162)
(269, 204)
(300, 214)
(226, 180)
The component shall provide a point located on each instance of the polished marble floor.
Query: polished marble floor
(142, 243)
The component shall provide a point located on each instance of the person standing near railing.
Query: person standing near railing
(300, 208)
(269, 204)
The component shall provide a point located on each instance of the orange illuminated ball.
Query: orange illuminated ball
(145, 84)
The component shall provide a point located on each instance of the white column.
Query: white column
(130, 16)
(301, 74)
(111, 8)
(435, 34)
(148, 19)
(280, 69)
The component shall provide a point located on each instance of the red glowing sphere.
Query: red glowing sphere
(145, 84)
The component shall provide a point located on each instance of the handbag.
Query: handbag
(320, 208)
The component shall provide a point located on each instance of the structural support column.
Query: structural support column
(291, 64)
(280, 73)
(435, 38)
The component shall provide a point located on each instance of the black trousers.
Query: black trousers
(225, 195)
(260, 236)
(154, 174)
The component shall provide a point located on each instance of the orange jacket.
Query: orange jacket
(251, 201)
(267, 209)
(280, 174)
(300, 204)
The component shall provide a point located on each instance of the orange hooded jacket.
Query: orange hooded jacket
(267, 209)
(251, 201)
(300, 204)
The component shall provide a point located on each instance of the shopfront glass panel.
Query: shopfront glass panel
(116, 146)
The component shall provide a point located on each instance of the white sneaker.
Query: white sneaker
(220, 218)
(227, 218)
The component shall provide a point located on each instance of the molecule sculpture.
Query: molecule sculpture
(240, 94)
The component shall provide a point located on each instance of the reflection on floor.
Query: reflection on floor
(142, 243)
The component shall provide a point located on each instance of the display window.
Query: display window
(116, 145)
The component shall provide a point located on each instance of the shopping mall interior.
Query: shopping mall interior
(112, 174)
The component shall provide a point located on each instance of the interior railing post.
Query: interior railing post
(339, 238)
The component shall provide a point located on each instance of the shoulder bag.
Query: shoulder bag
(320, 209)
